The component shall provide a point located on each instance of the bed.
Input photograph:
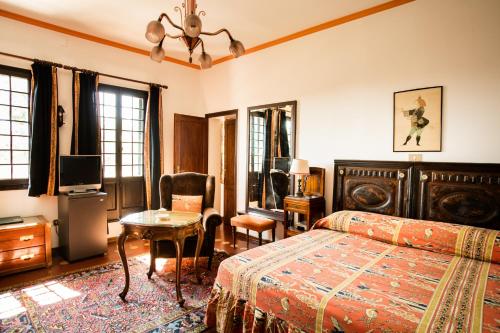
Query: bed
(360, 271)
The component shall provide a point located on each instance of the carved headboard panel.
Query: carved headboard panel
(463, 193)
(459, 194)
(380, 188)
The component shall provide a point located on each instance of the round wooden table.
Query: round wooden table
(156, 225)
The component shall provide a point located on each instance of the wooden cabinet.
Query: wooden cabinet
(25, 246)
(311, 207)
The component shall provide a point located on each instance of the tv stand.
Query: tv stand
(82, 225)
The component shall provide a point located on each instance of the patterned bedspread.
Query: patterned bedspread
(363, 272)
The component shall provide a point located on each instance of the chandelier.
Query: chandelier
(190, 31)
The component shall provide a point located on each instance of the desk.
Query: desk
(312, 207)
(161, 225)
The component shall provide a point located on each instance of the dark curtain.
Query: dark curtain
(153, 148)
(85, 139)
(283, 135)
(44, 154)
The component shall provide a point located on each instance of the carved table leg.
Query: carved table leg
(123, 257)
(152, 253)
(179, 247)
(199, 243)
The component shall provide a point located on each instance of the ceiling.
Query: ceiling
(251, 21)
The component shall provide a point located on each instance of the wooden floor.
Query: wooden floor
(59, 266)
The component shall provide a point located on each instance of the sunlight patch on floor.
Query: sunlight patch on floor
(160, 262)
(50, 292)
(10, 306)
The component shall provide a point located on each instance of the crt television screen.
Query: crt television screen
(80, 170)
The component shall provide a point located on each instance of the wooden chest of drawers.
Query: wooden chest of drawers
(25, 246)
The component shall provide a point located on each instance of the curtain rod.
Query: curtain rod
(81, 70)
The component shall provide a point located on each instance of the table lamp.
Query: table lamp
(301, 168)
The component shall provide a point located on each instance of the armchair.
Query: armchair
(190, 183)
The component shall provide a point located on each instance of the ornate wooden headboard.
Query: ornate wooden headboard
(463, 193)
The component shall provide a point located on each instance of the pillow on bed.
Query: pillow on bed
(460, 240)
(187, 203)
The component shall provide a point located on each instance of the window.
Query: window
(257, 143)
(14, 127)
(122, 131)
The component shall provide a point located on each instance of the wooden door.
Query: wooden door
(190, 144)
(229, 169)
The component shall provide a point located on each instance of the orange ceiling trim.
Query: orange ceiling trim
(320, 27)
(88, 37)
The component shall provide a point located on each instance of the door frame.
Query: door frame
(223, 114)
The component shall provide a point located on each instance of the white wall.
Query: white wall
(29, 41)
(344, 78)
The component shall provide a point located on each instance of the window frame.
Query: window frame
(119, 91)
(18, 184)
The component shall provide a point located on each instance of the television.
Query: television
(282, 163)
(79, 173)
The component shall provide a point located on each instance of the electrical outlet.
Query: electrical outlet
(415, 157)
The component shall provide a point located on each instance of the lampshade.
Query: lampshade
(192, 25)
(205, 60)
(236, 48)
(157, 53)
(299, 167)
(155, 31)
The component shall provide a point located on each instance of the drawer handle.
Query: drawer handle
(27, 256)
(26, 238)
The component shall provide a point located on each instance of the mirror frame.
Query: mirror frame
(278, 216)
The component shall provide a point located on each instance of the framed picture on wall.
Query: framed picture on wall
(418, 119)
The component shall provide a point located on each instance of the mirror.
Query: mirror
(271, 148)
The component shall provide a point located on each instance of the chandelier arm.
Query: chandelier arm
(202, 45)
(173, 37)
(218, 32)
(163, 15)
(178, 9)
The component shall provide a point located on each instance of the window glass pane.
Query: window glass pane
(4, 112)
(126, 148)
(126, 171)
(109, 99)
(109, 111)
(19, 84)
(19, 99)
(109, 172)
(137, 170)
(137, 148)
(138, 159)
(20, 142)
(19, 128)
(4, 142)
(109, 147)
(109, 159)
(20, 157)
(127, 159)
(19, 171)
(126, 101)
(126, 113)
(5, 171)
(110, 123)
(4, 156)
(4, 127)
(138, 114)
(126, 125)
(126, 136)
(137, 125)
(4, 82)
(109, 135)
(138, 136)
(20, 114)
(4, 97)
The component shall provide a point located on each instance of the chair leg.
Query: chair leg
(274, 234)
(248, 239)
(210, 261)
(234, 237)
(260, 238)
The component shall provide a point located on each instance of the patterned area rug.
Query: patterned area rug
(88, 301)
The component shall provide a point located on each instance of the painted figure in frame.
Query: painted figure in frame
(417, 119)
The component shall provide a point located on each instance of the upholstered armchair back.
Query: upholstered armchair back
(187, 183)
